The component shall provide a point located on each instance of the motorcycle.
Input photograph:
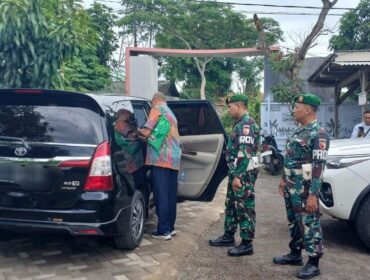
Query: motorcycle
(272, 159)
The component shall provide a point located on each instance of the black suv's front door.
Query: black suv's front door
(203, 139)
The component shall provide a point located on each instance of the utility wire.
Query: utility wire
(262, 5)
(252, 4)
(271, 5)
(286, 13)
(119, 11)
(109, 1)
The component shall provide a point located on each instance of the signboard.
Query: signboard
(362, 99)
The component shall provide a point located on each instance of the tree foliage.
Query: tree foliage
(140, 19)
(289, 65)
(354, 29)
(34, 43)
(85, 73)
(91, 69)
(55, 44)
(195, 25)
(103, 21)
(248, 72)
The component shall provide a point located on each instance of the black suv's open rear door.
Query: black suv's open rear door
(203, 139)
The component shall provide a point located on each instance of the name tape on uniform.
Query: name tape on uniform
(246, 140)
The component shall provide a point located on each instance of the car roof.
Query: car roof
(103, 100)
(96, 96)
(118, 101)
(116, 96)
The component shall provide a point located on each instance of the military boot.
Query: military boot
(227, 239)
(245, 248)
(310, 270)
(293, 258)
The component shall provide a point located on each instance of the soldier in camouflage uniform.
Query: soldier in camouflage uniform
(241, 153)
(306, 152)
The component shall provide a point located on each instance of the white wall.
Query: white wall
(143, 76)
(281, 124)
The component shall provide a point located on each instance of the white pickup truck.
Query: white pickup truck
(345, 193)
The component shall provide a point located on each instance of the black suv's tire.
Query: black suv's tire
(363, 222)
(132, 224)
(281, 162)
(272, 168)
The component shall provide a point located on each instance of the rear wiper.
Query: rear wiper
(16, 139)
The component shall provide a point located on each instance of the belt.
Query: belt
(292, 172)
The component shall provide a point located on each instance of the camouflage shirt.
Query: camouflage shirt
(308, 144)
(243, 144)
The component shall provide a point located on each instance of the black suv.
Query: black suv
(59, 170)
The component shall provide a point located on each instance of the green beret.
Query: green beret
(308, 98)
(237, 98)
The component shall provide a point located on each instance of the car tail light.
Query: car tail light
(100, 173)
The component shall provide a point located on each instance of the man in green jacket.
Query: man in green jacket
(241, 153)
(306, 152)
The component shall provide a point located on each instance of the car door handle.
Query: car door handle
(191, 153)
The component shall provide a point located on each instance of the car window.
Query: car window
(112, 109)
(140, 115)
(52, 118)
(51, 123)
(196, 118)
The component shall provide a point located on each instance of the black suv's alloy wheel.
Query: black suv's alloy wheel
(137, 219)
(131, 225)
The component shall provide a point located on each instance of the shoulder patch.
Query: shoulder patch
(246, 129)
(322, 143)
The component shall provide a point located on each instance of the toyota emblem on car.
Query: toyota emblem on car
(20, 151)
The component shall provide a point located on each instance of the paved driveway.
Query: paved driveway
(345, 257)
(42, 256)
(186, 256)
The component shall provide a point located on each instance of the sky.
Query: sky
(293, 26)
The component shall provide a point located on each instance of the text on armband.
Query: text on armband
(246, 140)
(320, 154)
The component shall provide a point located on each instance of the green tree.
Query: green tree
(289, 65)
(218, 75)
(85, 73)
(140, 20)
(34, 43)
(194, 25)
(354, 29)
(91, 69)
(248, 71)
(103, 22)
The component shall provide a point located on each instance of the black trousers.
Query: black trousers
(165, 197)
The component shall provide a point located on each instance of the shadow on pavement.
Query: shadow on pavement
(340, 234)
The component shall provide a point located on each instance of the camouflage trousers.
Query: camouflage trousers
(305, 228)
(240, 207)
